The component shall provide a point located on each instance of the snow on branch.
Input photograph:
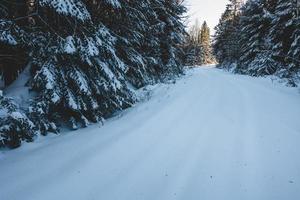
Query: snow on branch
(73, 8)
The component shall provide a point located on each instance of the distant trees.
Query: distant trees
(226, 39)
(261, 37)
(198, 45)
(85, 59)
(205, 41)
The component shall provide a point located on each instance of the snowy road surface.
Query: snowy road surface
(210, 136)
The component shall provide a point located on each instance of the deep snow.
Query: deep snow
(210, 136)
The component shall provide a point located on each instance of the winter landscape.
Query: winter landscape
(146, 100)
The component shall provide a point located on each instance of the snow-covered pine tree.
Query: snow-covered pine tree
(205, 41)
(165, 37)
(78, 76)
(226, 38)
(256, 56)
(13, 58)
(269, 39)
(294, 56)
(129, 25)
(284, 35)
(15, 126)
(171, 35)
(86, 55)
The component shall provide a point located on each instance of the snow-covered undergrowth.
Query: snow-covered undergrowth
(211, 135)
(290, 79)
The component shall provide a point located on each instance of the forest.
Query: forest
(259, 38)
(85, 59)
(149, 99)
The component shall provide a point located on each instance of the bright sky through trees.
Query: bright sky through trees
(209, 10)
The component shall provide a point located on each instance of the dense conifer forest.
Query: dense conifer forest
(149, 99)
(76, 62)
(85, 58)
(260, 37)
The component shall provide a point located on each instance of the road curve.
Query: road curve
(210, 136)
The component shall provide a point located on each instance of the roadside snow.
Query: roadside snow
(18, 89)
(212, 135)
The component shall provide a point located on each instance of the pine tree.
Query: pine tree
(204, 34)
(171, 35)
(268, 36)
(226, 38)
(256, 57)
(85, 56)
(293, 57)
(283, 35)
(198, 45)
(205, 42)
(270, 39)
(14, 124)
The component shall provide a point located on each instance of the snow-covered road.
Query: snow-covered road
(210, 136)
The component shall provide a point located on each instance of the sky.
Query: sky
(209, 10)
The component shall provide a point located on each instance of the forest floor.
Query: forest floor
(211, 135)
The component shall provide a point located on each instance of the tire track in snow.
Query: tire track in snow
(209, 136)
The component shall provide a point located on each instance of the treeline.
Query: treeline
(261, 37)
(85, 57)
(198, 47)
